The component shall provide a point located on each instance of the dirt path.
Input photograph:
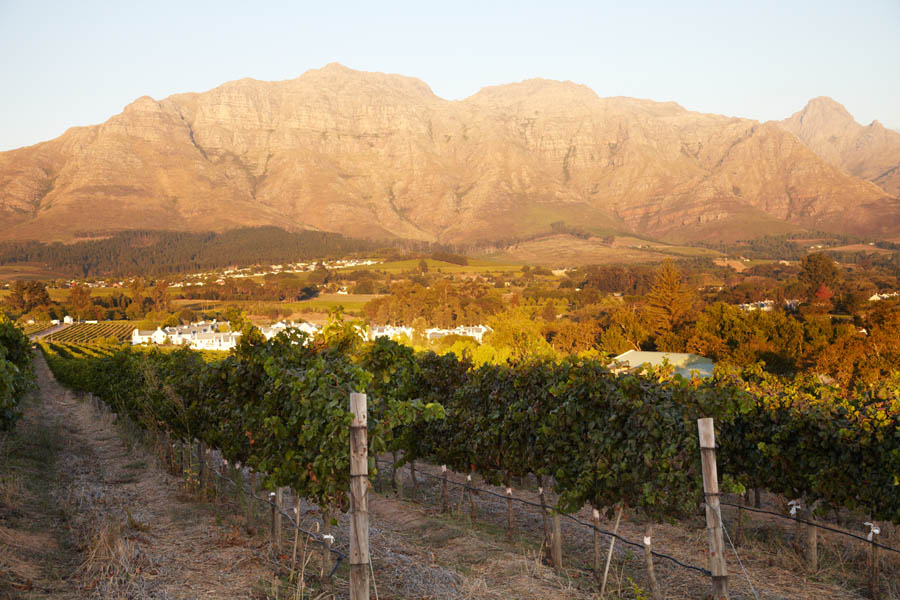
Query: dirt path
(103, 521)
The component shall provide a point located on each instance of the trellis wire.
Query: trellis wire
(570, 517)
(317, 538)
(813, 524)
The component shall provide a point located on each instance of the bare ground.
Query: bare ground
(103, 521)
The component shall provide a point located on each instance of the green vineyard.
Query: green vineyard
(87, 333)
(16, 372)
(32, 328)
(602, 439)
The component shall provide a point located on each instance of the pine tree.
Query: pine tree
(669, 300)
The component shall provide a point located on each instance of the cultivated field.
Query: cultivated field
(86, 333)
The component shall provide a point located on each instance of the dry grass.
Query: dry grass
(113, 565)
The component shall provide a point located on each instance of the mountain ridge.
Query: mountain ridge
(375, 155)
(871, 152)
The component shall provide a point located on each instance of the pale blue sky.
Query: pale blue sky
(80, 62)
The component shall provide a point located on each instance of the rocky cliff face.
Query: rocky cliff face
(870, 152)
(375, 155)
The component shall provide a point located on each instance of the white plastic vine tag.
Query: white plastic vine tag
(873, 530)
(443, 468)
(468, 478)
(509, 491)
(795, 505)
(646, 540)
(540, 490)
(596, 515)
(328, 538)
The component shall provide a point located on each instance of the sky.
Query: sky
(79, 63)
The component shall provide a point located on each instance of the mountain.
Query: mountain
(871, 152)
(380, 156)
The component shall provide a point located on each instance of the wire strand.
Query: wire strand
(570, 517)
(738, 556)
(813, 524)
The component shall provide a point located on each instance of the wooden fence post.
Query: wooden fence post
(472, 498)
(648, 557)
(359, 502)
(874, 530)
(275, 531)
(201, 468)
(509, 510)
(812, 542)
(396, 485)
(557, 541)
(713, 511)
(296, 536)
(548, 541)
(444, 506)
(272, 522)
(598, 559)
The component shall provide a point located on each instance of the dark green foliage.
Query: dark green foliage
(16, 372)
(165, 252)
(604, 439)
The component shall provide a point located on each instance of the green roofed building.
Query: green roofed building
(683, 363)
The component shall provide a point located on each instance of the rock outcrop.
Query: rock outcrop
(871, 152)
(379, 156)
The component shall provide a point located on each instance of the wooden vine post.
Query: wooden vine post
(275, 499)
(598, 558)
(713, 511)
(509, 510)
(359, 499)
(874, 589)
(557, 541)
(812, 542)
(444, 505)
(201, 464)
(548, 540)
(655, 592)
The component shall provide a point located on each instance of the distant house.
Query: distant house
(200, 336)
(68, 320)
(472, 331)
(139, 336)
(389, 331)
(276, 328)
(216, 341)
(683, 363)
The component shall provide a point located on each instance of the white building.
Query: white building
(200, 336)
(472, 331)
(276, 328)
(389, 331)
(884, 296)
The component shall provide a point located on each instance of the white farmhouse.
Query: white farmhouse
(389, 331)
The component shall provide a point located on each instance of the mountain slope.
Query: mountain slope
(379, 156)
(871, 152)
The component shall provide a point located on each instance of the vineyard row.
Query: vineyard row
(602, 439)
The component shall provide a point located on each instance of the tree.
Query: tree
(549, 311)
(517, 330)
(816, 270)
(160, 295)
(79, 301)
(16, 300)
(669, 299)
